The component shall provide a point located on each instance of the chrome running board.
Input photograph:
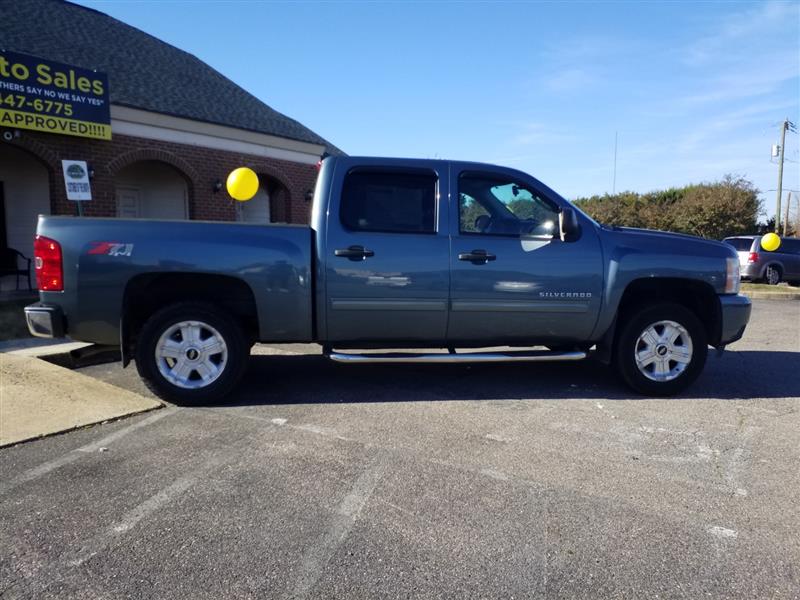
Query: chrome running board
(484, 357)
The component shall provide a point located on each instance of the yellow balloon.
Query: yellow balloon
(242, 184)
(770, 242)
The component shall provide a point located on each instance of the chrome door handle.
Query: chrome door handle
(477, 257)
(354, 253)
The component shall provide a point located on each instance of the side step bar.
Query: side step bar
(466, 357)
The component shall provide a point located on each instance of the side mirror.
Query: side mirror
(568, 224)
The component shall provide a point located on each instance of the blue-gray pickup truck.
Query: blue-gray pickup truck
(441, 257)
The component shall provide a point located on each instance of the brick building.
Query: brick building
(178, 127)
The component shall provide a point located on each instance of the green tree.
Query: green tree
(728, 207)
(470, 211)
(712, 210)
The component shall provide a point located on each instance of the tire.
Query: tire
(772, 275)
(202, 353)
(663, 375)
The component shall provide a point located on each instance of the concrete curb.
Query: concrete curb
(772, 295)
(39, 350)
(40, 398)
(31, 342)
(39, 436)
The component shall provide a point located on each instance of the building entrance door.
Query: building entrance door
(128, 200)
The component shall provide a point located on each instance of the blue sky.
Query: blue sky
(694, 90)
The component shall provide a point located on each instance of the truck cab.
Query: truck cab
(451, 254)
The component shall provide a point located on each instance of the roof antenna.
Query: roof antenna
(614, 184)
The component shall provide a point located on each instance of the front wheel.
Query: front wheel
(661, 349)
(191, 353)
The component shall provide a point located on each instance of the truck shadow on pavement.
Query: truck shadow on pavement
(312, 379)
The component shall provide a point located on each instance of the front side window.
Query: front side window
(494, 206)
(397, 202)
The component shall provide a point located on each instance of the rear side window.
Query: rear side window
(741, 244)
(392, 201)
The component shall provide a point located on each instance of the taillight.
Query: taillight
(753, 257)
(47, 258)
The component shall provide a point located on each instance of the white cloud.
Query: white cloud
(580, 62)
(758, 23)
(528, 134)
(569, 80)
(745, 81)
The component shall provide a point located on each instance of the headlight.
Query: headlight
(732, 275)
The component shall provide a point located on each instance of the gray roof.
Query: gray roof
(143, 72)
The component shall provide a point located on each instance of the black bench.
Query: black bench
(10, 261)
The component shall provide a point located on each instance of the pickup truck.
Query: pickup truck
(401, 254)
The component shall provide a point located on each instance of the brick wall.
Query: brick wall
(288, 181)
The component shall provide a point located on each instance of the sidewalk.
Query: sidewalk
(759, 295)
(38, 398)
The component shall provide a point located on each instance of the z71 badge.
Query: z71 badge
(111, 249)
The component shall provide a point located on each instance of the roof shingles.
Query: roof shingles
(143, 72)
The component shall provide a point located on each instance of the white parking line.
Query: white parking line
(344, 518)
(72, 456)
(130, 519)
(37, 579)
(723, 532)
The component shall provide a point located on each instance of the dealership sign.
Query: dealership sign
(76, 180)
(48, 96)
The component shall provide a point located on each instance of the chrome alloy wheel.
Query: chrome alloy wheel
(773, 276)
(191, 354)
(663, 351)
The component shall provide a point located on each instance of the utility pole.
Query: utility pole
(784, 127)
(787, 125)
(786, 213)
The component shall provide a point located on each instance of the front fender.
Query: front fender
(645, 256)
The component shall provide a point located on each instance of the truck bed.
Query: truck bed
(104, 257)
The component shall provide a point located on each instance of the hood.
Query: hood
(670, 242)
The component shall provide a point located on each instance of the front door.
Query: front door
(255, 210)
(128, 202)
(513, 280)
(387, 256)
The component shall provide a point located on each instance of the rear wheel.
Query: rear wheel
(191, 353)
(661, 349)
(772, 275)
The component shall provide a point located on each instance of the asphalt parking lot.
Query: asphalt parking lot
(321, 480)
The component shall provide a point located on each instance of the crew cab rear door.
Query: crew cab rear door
(513, 280)
(386, 256)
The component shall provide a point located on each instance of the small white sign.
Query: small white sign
(76, 179)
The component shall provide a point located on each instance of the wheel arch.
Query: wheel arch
(772, 263)
(697, 296)
(147, 293)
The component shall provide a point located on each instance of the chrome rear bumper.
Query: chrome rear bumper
(45, 321)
